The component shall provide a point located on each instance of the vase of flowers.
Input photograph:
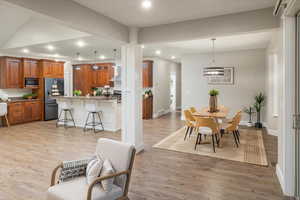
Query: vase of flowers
(258, 105)
(213, 100)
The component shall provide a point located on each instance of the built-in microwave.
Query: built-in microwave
(31, 82)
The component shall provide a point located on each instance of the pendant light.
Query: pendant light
(115, 63)
(95, 66)
(213, 70)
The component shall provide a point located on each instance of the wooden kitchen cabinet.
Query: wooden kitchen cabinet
(10, 72)
(85, 77)
(16, 113)
(82, 78)
(147, 74)
(52, 69)
(32, 111)
(30, 68)
(148, 107)
(24, 111)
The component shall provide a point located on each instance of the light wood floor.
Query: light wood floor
(29, 152)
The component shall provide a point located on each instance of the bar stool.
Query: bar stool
(3, 112)
(65, 108)
(92, 110)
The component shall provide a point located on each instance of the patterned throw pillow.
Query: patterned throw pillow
(93, 170)
(107, 170)
(72, 169)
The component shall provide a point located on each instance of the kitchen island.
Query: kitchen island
(111, 110)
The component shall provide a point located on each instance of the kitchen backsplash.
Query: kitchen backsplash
(14, 92)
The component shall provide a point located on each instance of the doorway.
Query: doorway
(173, 91)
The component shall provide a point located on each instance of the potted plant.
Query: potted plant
(77, 92)
(213, 100)
(249, 110)
(259, 103)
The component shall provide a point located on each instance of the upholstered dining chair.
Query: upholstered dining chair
(208, 127)
(233, 127)
(3, 112)
(193, 109)
(120, 155)
(189, 123)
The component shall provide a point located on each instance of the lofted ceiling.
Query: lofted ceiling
(130, 12)
(67, 49)
(28, 28)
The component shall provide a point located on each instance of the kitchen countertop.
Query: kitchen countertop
(19, 99)
(97, 98)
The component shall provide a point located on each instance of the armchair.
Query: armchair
(120, 155)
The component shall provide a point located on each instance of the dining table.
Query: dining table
(218, 116)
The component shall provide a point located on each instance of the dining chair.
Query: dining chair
(233, 127)
(193, 109)
(189, 123)
(3, 112)
(208, 127)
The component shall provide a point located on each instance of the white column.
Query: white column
(132, 127)
(286, 161)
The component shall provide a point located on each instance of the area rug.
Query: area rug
(251, 149)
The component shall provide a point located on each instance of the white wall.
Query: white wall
(249, 79)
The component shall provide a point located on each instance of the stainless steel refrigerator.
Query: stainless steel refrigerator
(51, 107)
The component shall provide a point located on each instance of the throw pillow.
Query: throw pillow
(93, 170)
(107, 170)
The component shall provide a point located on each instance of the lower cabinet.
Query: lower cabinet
(148, 107)
(22, 112)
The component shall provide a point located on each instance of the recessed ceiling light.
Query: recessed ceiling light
(50, 47)
(102, 57)
(56, 55)
(143, 46)
(79, 58)
(80, 43)
(173, 57)
(157, 52)
(147, 4)
(25, 50)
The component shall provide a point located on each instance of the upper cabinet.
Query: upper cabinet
(13, 71)
(82, 78)
(147, 74)
(102, 74)
(30, 68)
(52, 69)
(88, 76)
(10, 72)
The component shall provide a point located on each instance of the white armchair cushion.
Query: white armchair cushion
(77, 188)
(205, 131)
(93, 170)
(107, 170)
(118, 153)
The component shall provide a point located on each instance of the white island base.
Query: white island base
(111, 111)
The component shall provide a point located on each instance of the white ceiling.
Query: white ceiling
(67, 49)
(25, 27)
(130, 12)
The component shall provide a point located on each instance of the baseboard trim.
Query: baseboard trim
(280, 176)
(139, 148)
(161, 113)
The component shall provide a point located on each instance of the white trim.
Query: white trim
(280, 176)
(161, 113)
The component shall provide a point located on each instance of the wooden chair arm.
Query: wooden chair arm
(98, 180)
(54, 174)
